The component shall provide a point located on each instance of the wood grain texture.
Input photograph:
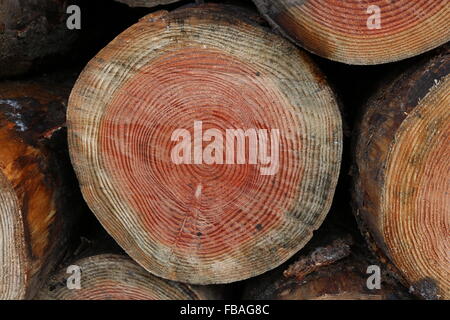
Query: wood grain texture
(402, 175)
(116, 277)
(203, 223)
(31, 30)
(338, 30)
(34, 219)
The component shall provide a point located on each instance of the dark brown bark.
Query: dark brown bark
(31, 30)
(335, 270)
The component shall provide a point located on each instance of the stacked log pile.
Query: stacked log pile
(215, 153)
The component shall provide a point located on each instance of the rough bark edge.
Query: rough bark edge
(400, 88)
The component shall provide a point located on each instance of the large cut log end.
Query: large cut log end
(208, 147)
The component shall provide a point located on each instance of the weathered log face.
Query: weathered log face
(204, 223)
(402, 181)
(31, 30)
(350, 32)
(116, 277)
(33, 221)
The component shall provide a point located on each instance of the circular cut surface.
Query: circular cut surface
(205, 221)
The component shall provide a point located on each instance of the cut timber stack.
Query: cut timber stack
(34, 196)
(361, 32)
(335, 271)
(403, 175)
(29, 31)
(116, 277)
(208, 221)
